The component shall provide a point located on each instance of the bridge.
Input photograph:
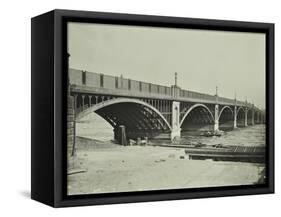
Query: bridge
(152, 110)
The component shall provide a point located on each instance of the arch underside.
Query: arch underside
(250, 117)
(139, 118)
(226, 119)
(240, 117)
(198, 118)
(258, 118)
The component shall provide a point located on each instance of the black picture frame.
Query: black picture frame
(49, 88)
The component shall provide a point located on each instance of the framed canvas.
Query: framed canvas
(134, 108)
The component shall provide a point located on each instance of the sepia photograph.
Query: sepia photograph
(159, 108)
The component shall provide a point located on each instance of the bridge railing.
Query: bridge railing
(193, 94)
(241, 103)
(226, 100)
(99, 80)
(113, 82)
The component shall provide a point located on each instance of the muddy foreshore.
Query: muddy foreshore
(107, 167)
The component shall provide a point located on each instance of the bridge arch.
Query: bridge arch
(138, 116)
(223, 109)
(226, 118)
(240, 116)
(202, 110)
(239, 109)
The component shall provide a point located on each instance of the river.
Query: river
(95, 127)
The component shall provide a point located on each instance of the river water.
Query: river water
(95, 127)
(249, 136)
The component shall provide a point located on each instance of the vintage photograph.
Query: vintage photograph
(154, 108)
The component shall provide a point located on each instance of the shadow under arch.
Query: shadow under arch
(197, 117)
(226, 118)
(250, 113)
(140, 118)
(240, 117)
(257, 117)
(223, 109)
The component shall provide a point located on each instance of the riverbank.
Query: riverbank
(107, 167)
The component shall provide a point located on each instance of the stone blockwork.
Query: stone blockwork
(70, 131)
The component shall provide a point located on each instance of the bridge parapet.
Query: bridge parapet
(91, 82)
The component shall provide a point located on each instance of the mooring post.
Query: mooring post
(122, 138)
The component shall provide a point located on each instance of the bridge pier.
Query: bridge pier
(71, 128)
(175, 134)
(235, 117)
(246, 117)
(253, 116)
(216, 124)
(176, 130)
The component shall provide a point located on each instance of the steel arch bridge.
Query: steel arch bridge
(151, 110)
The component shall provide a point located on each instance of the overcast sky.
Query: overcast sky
(203, 59)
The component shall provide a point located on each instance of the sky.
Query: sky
(203, 59)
